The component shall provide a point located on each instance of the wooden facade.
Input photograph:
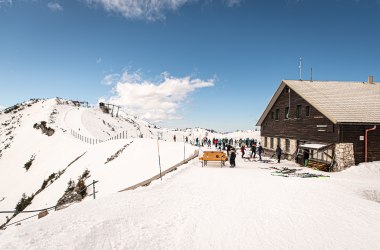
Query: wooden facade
(302, 128)
(351, 133)
(305, 124)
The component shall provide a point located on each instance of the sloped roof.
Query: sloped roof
(341, 102)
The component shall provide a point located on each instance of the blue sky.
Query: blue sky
(212, 63)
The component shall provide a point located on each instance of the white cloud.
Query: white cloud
(54, 6)
(154, 100)
(233, 3)
(5, 3)
(110, 79)
(151, 10)
(142, 9)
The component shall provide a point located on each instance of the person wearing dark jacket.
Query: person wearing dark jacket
(242, 149)
(253, 150)
(306, 157)
(232, 159)
(229, 147)
(278, 153)
(260, 150)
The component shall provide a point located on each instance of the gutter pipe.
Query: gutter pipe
(366, 142)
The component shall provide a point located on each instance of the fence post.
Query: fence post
(159, 158)
(184, 149)
(93, 187)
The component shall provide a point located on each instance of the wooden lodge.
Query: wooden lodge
(335, 123)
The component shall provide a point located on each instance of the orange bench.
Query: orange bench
(213, 156)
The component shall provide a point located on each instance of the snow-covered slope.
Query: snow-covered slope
(219, 208)
(68, 156)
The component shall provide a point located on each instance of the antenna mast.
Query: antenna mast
(311, 74)
(300, 67)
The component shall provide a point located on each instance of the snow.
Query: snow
(313, 146)
(191, 208)
(20, 141)
(217, 208)
(138, 162)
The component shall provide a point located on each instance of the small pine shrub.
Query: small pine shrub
(29, 163)
(70, 186)
(85, 174)
(24, 202)
(44, 184)
(82, 190)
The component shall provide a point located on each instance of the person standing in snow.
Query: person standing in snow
(228, 150)
(232, 159)
(306, 157)
(260, 150)
(242, 149)
(196, 141)
(174, 138)
(253, 150)
(278, 153)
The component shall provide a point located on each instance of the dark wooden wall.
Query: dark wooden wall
(303, 128)
(352, 133)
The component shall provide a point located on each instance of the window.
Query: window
(271, 142)
(265, 142)
(287, 145)
(287, 113)
(272, 115)
(298, 111)
(277, 114)
(279, 142)
(307, 110)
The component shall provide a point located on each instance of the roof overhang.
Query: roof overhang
(313, 146)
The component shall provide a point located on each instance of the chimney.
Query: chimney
(370, 79)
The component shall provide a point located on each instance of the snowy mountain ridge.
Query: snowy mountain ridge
(46, 143)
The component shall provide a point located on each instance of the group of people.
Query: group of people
(231, 153)
(226, 144)
(254, 149)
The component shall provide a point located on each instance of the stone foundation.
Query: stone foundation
(344, 156)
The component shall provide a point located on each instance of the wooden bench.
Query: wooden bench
(213, 156)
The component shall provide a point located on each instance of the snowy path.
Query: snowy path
(73, 120)
(215, 208)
